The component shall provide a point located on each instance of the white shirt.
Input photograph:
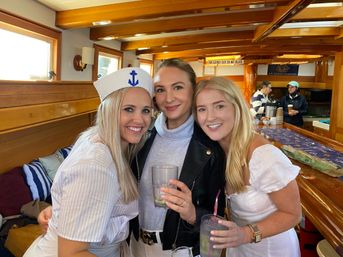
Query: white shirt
(87, 203)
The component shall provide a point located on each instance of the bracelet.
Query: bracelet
(257, 235)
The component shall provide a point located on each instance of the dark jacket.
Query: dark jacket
(203, 173)
(299, 104)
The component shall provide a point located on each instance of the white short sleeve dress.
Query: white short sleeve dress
(270, 170)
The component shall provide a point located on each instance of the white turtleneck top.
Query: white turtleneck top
(169, 147)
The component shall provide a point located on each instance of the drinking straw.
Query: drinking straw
(216, 204)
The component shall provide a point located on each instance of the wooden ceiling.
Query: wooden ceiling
(195, 29)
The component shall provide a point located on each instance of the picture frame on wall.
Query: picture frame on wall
(283, 69)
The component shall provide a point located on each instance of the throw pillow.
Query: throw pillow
(65, 151)
(38, 180)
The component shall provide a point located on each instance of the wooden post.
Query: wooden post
(250, 74)
(321, 71)
(336, 116)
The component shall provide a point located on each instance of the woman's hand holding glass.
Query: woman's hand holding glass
(180, 200)
(232, 237)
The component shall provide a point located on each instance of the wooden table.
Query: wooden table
(322, 195)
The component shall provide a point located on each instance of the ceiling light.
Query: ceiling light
(108, 38)
(143, 48)
(100, 23)
(164, 46)
(300, 56)
(224, 60)
(324, 5)
(139, 34)
(314, 24)
(224, 57)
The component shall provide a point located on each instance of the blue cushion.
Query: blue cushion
(38, 180)
(65, 151)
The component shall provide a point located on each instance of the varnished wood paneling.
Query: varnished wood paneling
(306, 32)
(250, 74)
(22, 146)
(181, 23)
(20, 93)
(281, 16)
(244, 50)
(19, 117)
(81, 18)
(322, 13)
(189, 39)
(336, 124)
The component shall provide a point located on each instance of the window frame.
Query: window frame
(150, 62)
(38, 31)
(103, 49)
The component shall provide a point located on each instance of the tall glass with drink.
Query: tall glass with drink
(209, 222)
(161, 175)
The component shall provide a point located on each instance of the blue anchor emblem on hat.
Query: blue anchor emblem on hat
(133, 82)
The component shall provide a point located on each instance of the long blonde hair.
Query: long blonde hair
(242, 132)
(107, 128)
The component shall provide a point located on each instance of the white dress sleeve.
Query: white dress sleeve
(270, 169)
(90, 191)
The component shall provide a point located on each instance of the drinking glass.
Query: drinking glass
(161, 174)
(209, 222)
(182, 251)
(290, 108)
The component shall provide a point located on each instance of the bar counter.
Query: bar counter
(321, 195)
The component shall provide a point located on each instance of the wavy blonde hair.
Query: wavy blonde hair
(242, 132)
(107, 128)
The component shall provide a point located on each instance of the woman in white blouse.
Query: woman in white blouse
(94, 194)
(260, 180)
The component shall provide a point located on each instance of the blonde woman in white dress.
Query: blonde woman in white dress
(260, 179)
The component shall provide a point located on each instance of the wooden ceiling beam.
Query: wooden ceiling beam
(306, 32)
(265, 44)
(250, 50)
(303, 41)
(319, 14)
(281, 16)
(178, 40)
(182, 23)
(194, 46)
(340, 34)
(83, 17)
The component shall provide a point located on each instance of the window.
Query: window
(107, 60)
(28, 50)
(146, 65)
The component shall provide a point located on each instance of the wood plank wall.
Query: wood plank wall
(36, 118)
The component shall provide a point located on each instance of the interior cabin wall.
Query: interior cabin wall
(45, 116)
(306, 74)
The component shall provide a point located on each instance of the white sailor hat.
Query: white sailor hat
(127, 77)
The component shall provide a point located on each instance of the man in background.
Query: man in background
(294, 105)
(259, 100)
